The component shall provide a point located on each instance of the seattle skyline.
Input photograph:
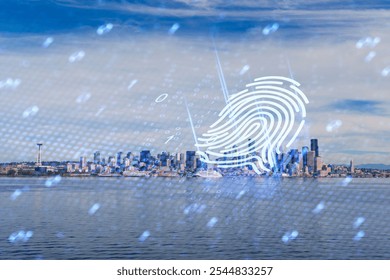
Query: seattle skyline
(113, 76)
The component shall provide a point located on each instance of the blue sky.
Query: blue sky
(77, 90)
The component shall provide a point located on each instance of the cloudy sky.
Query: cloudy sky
(81, 76)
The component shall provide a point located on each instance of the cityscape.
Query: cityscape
(304, 163)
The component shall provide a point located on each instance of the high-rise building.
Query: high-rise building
(190, 160)
(351, 167)
(39, 156)
(294, 155)
(118, 158)
(318, 164)
(96, 158)
(314, 146)
(164, 158)
(83, 162)
(305, 150)
(311, 161)
(145, 156)
(111, 160)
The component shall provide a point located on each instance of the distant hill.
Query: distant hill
(374, 166)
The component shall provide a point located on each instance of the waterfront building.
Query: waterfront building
(314, 146)
(145, 156)
(190, 160)
(311, 161)
(83, 163)
(111, 161)
(305, 150)
(318, 164)
(351, 167)
(118, 159)
(164, 159)
(96, 158)
(39, 156)
(92, 167)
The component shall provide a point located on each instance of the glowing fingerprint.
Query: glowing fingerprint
(255, 124)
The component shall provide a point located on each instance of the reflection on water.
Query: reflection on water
(173, 218)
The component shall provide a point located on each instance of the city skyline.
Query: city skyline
(307, 162)
(116, 157)
(95, 80)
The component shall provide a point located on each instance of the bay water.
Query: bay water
(194, 218)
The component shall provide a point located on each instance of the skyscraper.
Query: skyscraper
(96, 158)
(190, 160)
(145, 156)
(294, 155)
(314, 146)
(39, 157)
(351, 167)
(305, 150)
(83, 162)
(118, 158)
(318, 164)
(164, 158)
(311, 161)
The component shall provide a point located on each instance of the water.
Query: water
(177, 218)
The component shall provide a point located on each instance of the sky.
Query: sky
(81, 76)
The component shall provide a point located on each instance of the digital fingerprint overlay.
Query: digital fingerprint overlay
(255, 123)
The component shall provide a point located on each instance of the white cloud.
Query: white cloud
(181, 67)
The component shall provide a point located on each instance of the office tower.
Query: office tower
(294, 156)
(199, 163)
(318, 164)
(310, 160)
(39, 156)
(96, 157)
(351, 167)
(145, 156)
(305, 150)
(314, 146)
(118, 158)
(190, 160)
(130, 156)
(177, 158)
(164, 159)
(83, 162)
(111, 160)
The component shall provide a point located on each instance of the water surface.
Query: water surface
(178, 218)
